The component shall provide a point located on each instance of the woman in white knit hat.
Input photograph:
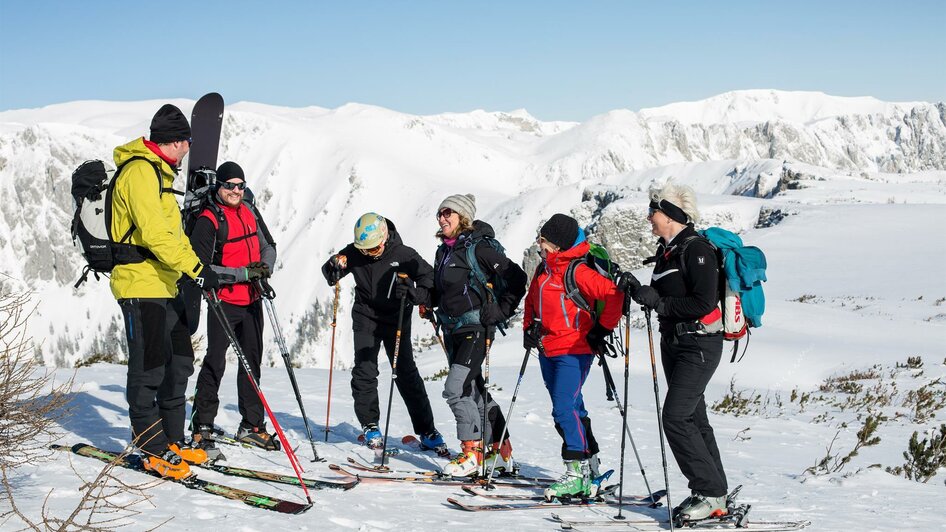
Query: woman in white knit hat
(469, 264)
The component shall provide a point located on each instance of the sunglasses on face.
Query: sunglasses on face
(230, 186)
(446, 212)
(652, 211)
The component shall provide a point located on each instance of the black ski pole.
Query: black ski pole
(214, 304)
(268, 295)
(533, 329)
(612, 392)
(397, 351)
(660, 424)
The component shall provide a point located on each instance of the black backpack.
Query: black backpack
(92, 189)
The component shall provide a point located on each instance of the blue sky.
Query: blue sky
(558, 60)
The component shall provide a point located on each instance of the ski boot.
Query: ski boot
(257, 437)
(168, 465)
(576, 483)
(467, 463)
(594, 464)
(699, 508)
(502, 454)
(189, 452)
(203, 438)
(433, 441)
(372, 436)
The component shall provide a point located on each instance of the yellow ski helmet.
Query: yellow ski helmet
(371, 230)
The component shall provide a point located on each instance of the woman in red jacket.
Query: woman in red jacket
(567, 341)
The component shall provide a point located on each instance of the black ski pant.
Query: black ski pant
(247, 323)
(465, 388)
(160, 360)
(689, 362)
(410, 385)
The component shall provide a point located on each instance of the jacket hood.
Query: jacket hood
(137, 148)
(558, 261)
(481, 229)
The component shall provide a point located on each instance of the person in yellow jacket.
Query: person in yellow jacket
(160, 355)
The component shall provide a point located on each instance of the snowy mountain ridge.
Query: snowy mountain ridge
(315, 170)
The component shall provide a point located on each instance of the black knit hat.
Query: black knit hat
(560, 230)
(229, 170)
(169, 125)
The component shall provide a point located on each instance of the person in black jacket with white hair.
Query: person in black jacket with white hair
(684, 291)
(375, 258)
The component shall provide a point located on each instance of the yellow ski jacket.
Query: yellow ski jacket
(138, 199)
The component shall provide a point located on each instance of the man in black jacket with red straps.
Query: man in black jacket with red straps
(228, 236)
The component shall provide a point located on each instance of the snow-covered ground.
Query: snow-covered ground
(872, 276)
(855, 280)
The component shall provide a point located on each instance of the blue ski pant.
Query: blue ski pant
(564, 376)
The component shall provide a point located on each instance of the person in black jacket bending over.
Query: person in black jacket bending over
(684, 291)
(375, 258)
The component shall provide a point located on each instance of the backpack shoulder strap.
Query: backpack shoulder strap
(223, 230)
(571, 286)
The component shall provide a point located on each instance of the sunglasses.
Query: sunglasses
(652, 211)
(230, 186)
(446, 212)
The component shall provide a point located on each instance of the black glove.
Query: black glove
(531, 338)
(332, 270)
(207, 279)
(257, 270)
(628, 284)
(597, 337)
(491, 314)
(647, 296)
(406, 290)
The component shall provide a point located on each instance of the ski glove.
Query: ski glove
(647, 296)
(597, 337)
(333, 270)
(491, 314)
(403, 289)
(531, 338)
(207, 279)
(425, 312)
(628, 284)
(257, 270)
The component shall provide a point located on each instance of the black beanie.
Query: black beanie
(229, 170)
(169, 125)
(560, 230)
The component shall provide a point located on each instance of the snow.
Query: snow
(855, 279)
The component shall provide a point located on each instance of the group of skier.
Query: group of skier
(471, 291)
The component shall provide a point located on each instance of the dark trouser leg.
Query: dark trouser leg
(364, 378)
(689, 362)
(465, 389)
(148, 354)
(410, 385)
(249, 332)
(207, 400)
(172, 394)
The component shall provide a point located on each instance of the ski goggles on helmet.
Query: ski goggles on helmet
(372, 252)
(230, 186)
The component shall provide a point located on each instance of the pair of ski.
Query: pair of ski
(647, 525)
(387, 473)
(256, 500)
(538, 502)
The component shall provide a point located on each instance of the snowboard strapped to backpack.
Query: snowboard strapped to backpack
(92, 188)
(742, 271)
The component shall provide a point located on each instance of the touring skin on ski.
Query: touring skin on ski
(133, 462)
(540, 505)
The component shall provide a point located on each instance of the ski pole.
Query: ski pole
(660, 424)
(489, 344)
(533, 329)
(397, 351)
(331, 363)
(433, 322)
(268, 295)
(612, 393)
(214, 303)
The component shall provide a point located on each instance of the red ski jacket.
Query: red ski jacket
(564, 325)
